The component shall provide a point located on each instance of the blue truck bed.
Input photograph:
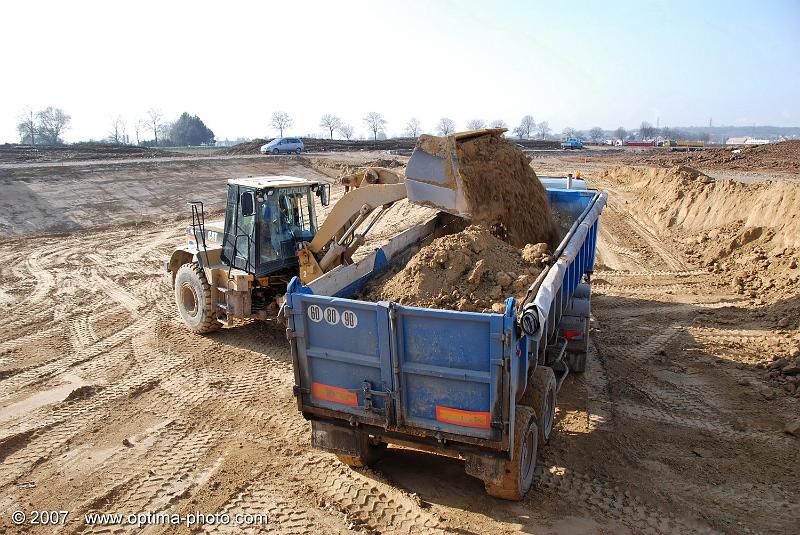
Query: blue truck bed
(372, 373)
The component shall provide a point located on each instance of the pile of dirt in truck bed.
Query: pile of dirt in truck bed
(471, 270)
(783, 157)
(504, 191)
(747, 232)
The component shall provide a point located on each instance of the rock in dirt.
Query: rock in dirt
(471, 270)
(793, 427)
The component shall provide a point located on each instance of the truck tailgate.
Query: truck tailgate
(401, 367)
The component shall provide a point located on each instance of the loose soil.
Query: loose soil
(470, 270)
(503, 191)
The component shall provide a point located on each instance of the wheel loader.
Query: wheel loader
(240, 267)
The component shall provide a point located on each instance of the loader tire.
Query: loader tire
(518, 472)
(371, 452)
(541, 396)
(193, 297)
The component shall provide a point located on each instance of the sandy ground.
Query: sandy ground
(107, 403)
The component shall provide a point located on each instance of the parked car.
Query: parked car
(572, 143)
(283, 144)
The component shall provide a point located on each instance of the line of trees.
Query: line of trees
(47, 126)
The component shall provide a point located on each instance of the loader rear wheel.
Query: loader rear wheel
(370, 452)
(541, 395)
(193, 297)
(518, 472)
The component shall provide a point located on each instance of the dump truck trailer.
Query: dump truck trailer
(479, 386)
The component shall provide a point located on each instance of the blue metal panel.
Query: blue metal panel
(342, 344)
(450, 360)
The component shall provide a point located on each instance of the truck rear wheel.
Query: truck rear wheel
(193, 297)
(370, 452)
(541, 395)
(518, 472)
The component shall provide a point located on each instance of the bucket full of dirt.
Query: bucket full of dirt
(480, 176)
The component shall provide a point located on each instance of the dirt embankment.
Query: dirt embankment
(12, 153)
(470, 270)
(781, 157)
(751, 231)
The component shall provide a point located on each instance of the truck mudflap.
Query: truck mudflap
(428, 371)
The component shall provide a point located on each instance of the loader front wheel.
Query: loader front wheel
(193, 297)
(518, 472)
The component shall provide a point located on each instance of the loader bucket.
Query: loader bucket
(432, 177)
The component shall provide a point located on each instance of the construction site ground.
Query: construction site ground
(109, 404)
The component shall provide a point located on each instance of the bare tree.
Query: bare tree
(331, 122)
(346, 130)
(375, 122)
(413, 128)
(280, 121)
(596, 134)
(27, 127)
(646, 130)
(137, 127)
(117, 132)
(153, 122)
(526, 127)
(445, 126)
(543, 129)
(164, 130)
(475, 124)
(498, 123)
(52, 123)
(620, 133)
(569, 132)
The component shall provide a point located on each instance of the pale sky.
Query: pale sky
(577, 64)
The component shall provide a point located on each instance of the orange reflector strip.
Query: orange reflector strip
(478, 420)
(334, 394)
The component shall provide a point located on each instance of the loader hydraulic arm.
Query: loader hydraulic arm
(336, 239)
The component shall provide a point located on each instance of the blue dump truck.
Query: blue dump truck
(479, 386)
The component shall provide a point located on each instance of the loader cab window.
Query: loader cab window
(239, 244)
(287, 218)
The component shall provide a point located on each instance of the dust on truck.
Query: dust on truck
(479, 386)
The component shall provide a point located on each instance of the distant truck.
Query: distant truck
(640, 143)
(572, 143)
(683, 145)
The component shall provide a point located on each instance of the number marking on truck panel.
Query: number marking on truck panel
(478, 420)
(334, 394)
(315, 313)
(332, 315)
(349, 319)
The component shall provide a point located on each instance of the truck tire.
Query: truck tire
(541, 396)
(193, 297)
(518, 472)
(370, 452)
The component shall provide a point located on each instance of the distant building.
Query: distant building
(737, 140)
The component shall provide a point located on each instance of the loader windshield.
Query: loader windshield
(287, 216)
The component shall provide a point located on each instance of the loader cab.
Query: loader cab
(266, 219)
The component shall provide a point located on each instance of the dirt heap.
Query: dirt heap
(783, 157)
(470, 270)
(504, 191)
(749, 232)
(248, 147)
